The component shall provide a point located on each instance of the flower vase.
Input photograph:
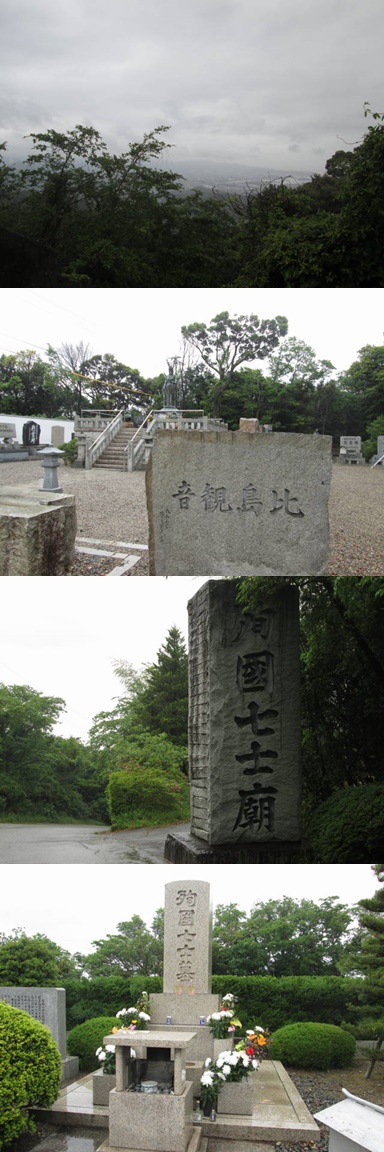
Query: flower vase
(207, 1108)
(223, 1045)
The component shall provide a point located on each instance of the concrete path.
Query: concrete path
(82, 844)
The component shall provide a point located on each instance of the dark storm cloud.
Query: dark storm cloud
(254, 83)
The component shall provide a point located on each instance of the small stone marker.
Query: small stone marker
(50, 462)
(233, 504)
(8, 430)
(380, 446)
(57, 435)
(250, 424)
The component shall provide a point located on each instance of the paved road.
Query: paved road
(82, 844)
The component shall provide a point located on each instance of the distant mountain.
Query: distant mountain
(232, 177)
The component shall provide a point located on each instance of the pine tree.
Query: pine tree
(371, 962)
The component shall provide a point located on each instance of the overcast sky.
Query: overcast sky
(63, 644)
(142, 328)
(75, 911)
(273, 84)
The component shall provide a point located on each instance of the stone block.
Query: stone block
(157, 1123)
(7, 430)
(187, 939)
(184, 1010)
(224, 1045)
(69, 1068)
(102, 1084)
(244, 717)
(237, 1099)
(248, 425)
(57, 435)
(44, 1004)
(236, 504)
(37, 532)
(202, 1044)
(194, 1071)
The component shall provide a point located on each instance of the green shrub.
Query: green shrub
(312, 1045)
(83, 1040)
(348, 828)
(70, 449)
(139, 797)
(30, 1071)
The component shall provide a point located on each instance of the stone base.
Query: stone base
(153, 1123)
(237, 1099)
(69, 1068)
(102, 1084)
(190, 850)
(37, 532)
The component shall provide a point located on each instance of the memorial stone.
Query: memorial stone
(232, 503)
(37, 532)
(250, 424)
(57, 435)
(380, 446)
(350, 450)
(8, 430)
(244, 726)
(48, 1006)
(31, 433)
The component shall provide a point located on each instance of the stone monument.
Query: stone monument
(350, 450)
(244, 729)
(238, 504)
(37, 531)
(48, 1006)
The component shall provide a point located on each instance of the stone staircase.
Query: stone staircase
(114, 456)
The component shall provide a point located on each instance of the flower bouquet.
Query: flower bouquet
(224, 1022)
(210, 1084)
(106, 1056)
(256, 1043)
(137, 1018)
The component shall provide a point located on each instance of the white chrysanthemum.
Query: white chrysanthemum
(255, 1063)
(144, 1016)
(109, 1047)
(226, 1070)
(206, 1078)
(220, 1076)
(233, 1058)
(215, 1016)
(98, 1050)
(102, 1056)
(208, 1061)
(244, 1058)
(257, 1028)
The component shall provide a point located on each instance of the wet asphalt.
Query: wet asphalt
(82, 844)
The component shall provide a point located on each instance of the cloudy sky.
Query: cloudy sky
(276, 84)
(64, 645)
(75, 907)
(142, 328)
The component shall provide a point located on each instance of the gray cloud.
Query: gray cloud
(235, 80)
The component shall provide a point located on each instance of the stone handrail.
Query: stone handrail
(136, 446)
(93, 451)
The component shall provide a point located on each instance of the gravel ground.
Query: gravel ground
(322, 1089)
(111, 506)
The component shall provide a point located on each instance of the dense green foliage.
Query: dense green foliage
(43, 777)
(131, 950)
(348, 828)
(143, 795)
(281, 937)
(342, 687)
(105, 994)
(30, 1071)
(313, 1045)
(73, 214)
(274, 1002)
(33, 961)
(83, 1040)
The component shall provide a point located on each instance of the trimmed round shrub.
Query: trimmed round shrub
(348, 828)
(30, 1071)
(83, 1040)
(310, 1045)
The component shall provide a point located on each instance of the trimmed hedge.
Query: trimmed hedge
(30, 1071)
(83, 1040)
(105, 995)
(313, 1045)
(348, 828)
(263, 1000)
(274, 1002)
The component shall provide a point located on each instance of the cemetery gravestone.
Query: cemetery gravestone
(380, 446)
(350, 450)
(31, 433)
(8, 431)
(236, 503)
(244, 728)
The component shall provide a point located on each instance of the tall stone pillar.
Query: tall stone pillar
(244, 727)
